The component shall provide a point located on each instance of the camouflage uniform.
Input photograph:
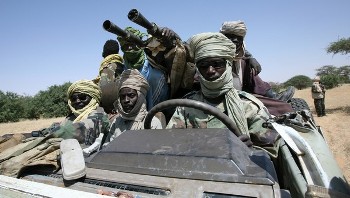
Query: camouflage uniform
(109, 74)
(112, 64)
(85, 131)
(120, 125)
(88, 125)
(246, 111)
(255, 113)
(44, 151)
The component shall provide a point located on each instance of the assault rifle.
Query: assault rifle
(112, 28)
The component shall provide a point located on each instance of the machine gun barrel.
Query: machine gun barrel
(112, 28)
(135, 16)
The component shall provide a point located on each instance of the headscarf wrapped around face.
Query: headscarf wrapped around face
(133, 59)
(133, 31)
(133, 79)
(211, 44)
(87, 87)
(237, 28)
(234, 27)
(214, 45)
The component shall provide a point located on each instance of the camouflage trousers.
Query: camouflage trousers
(320, 107)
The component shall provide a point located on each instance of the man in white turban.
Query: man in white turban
(247, 68)
(213, 56)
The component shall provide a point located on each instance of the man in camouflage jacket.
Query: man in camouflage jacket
(88, 123)
(213, 54)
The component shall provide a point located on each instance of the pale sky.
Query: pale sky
(46, 42)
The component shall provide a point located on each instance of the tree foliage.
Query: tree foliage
(341, 46)
(47, 104)
(299, 81)
(12, 106)
(52, 102)
(335, 74)
(327, 69)
(344, 74)
(330, 80)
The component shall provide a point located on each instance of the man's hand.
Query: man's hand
(168, 33)
(255, 66)
(246, 140)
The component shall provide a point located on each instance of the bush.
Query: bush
(300, 82)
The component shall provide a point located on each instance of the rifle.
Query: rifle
(112, 28)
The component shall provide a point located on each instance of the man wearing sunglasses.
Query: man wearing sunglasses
(213, 56)
(87, 122)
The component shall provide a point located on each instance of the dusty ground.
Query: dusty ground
(336, 125)
(27, 125)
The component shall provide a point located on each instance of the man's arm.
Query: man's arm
(253, 64)
(257, 114)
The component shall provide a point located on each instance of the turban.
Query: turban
(132, 78)
(87, 87)
(234, 27)
(112, 58)
(205, 45)
(214, 45)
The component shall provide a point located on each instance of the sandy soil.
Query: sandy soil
(27, 125)
(335, 125)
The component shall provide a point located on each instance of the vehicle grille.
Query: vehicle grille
(121, 186)
(128, 187)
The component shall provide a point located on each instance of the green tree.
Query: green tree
(341, 46)
(333, 75)
(30, 111)
(300, 82)
(51, 103)
(344, 74)
(47, 104)
(12, 107)
(327, 69)
(330, 81)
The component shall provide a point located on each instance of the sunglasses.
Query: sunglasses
(80, 96)
(216, 64)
